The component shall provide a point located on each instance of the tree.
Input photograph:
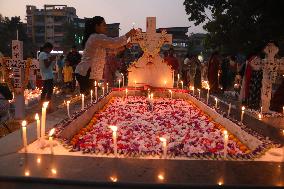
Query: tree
(73, 36)
(238, 25)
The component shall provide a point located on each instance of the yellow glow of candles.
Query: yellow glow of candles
(114, 136)
(259, 116)
(164, 141)
(113, 178)
(27, 173)
(198, 93)
(107, 87)
(43, 118)
(53, 171)
(161, 177)
(152, 96)
(242, 114)
(24, 134)
(51, 140)
(181, 84)
(119, 83)
(83, 101)
(216, 102)
(193, 90)
(37, 125)
(38, 160)
(261, 110)
(165, 83)
(91, 96)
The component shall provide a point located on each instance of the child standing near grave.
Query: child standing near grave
(67, 74)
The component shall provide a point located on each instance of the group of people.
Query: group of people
(86, 69)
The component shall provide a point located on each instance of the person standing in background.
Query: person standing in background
(74, 58)
(213, 68)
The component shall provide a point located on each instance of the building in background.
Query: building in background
(47, 25)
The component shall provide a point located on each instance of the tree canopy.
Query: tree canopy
(239, 26)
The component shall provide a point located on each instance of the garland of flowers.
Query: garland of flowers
(8, 80)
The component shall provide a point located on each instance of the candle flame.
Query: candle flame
(243, 108)
(24, 123)
(225, 132)
(113, 178)
(27, 173)
(113, 128)
(259, 116)
(162, 139)
(53, 171)
(36, 116)
(161, 177)
(216, 99)
(51, 132)
(45, 104)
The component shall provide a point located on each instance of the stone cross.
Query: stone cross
(151, 42)
(271, 66)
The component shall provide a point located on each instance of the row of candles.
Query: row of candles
(40, 129)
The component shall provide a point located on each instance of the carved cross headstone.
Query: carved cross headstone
(271, 66)
(150, 69)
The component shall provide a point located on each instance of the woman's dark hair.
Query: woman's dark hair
(90, 27)
(47, 45)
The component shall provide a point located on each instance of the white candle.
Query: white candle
(171, 93)
(178, 81)
(198, 93)
(51, 141)
(122, 79)
(107, 87)
(114, 137)
(261, 110)
(103, 91)
(164, 141)
(24, 135)
(68, 108)
(37, 126)
(229, 110)
(83, 101)
(96, 91)
(119, 83)
(260, 116)
(91, 96)
(43, 119)
(126, 91)
(226, 137)
(242, 115)
(181, 84)
(216, 103)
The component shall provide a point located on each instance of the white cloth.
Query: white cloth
(94, 55)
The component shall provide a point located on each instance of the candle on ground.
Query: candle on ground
(24, 134)
(164, 141)
(103, 91)
(261, 110)
(260, 116)
(198, 93)
(216, 103)
(126, 91)
(37, 125)
(119, 83)
(181, 84)
(165, 84)
(242, 114)
(43, 119)
(91, 96)
(178, 81)
(171, 93)
(114, 137)
(51, 140)
(68, 108)
(229, 110)
(83, 101)
(107, 87)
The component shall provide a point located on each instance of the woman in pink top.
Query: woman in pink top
(95, 44)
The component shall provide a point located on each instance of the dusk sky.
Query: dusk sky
(169, 13)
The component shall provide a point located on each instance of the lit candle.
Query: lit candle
(91, 96)
(259, 116)
(165, 83)
(181, 84)
(24, 134)
(114, 137)
(216, 103)
(122, 79)
(119, 83)
(178, 81)
(208, 95)
(229, 110)
(50, 140)
(43, 119)
(107, 87)
(226, 137)
(171, 93)
(242, 115)
(103, 91)
(68, 108)
(96, 91)
(83, 101)
(261, 110)
(126, 91)
(198, 93)
(37, 126)
(164, 141)
(193, 90)
(135, 84)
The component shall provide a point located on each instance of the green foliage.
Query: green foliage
(73, 36)
(239, 25)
